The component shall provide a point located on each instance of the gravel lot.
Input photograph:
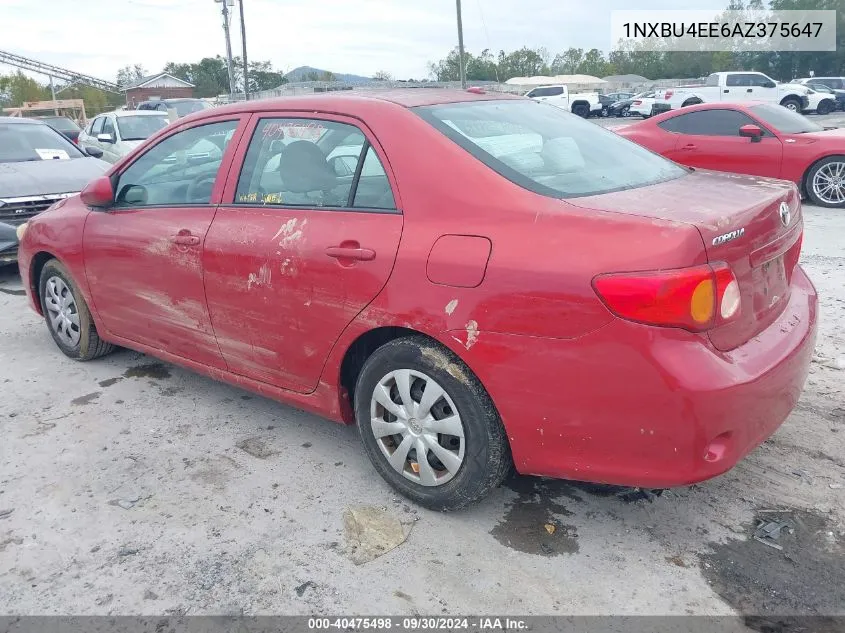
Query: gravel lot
(128, 486)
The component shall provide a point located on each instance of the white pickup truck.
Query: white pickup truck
(581, 103)
(738, 86)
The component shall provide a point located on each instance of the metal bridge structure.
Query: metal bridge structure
(57, 72)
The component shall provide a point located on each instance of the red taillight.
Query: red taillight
(696, 299)
(668, 94)
(637, 102)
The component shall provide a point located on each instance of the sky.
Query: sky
(97, 37)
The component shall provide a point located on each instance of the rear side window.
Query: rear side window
(708, 123)
(312, 163)
(546, 150)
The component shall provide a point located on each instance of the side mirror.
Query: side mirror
(751, 131)
(770, 84)
(105, 138)
(98, 193)
(94, 152)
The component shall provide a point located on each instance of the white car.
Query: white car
(118, 133)
(737, 86)
(581, 103)
(641, 106)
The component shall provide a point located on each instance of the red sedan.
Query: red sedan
(477, 281)
(760, 139)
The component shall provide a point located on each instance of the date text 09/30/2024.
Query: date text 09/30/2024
(417, 623)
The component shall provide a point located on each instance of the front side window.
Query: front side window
(546, 150)
(97, 126)
(312, 163)
(179, 170)
(108, 126)
(139, 128)
(708, 123)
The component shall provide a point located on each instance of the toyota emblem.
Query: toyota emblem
(785, 214)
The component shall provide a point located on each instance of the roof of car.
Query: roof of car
(350, 100)
(122, 113)
(17, 119)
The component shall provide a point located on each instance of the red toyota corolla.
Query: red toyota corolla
(476, 280)
(760, 139)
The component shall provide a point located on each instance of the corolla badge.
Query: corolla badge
(785, 214)
(727, 237)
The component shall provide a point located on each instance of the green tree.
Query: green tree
(130, 74)
(17, 89)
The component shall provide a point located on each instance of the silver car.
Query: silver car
(118, 133)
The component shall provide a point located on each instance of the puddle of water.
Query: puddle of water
(149, 370)
(807, 577)
(532, 522)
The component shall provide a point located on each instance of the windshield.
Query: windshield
(61, 123)
(546, 150)
(784, 120)
(138, 128)
(33, 141)
(184, 108)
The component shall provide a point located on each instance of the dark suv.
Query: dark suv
(183, 107)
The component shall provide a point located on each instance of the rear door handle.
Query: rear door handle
(689, 146)
(187, 240)
(351, 252)
(727, 92)
(750, 90)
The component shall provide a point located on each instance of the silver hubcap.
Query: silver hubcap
(417, 427)
(791, 106)
(829, 183)
(62, 313)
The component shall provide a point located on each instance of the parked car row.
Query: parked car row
(667, 302)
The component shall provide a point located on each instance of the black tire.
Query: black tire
(581, 109)
(605, 112)
(811, 174)
(89, 345)
(487, 459)
(792, 103)
(690, 102)
(826, 107)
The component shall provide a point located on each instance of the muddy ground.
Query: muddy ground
(128, 486)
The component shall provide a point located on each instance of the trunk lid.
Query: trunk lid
(741, 223)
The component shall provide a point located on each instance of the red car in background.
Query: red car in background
(477, 281)
(760, 139)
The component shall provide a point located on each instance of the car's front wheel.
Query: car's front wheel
(825, 182)
(428, 425)
(67, 315)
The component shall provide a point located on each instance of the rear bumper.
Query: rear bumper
(640, 406)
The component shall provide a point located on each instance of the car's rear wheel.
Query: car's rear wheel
(625, 112)
(791, 104)
(428, 425)
(581, 109)
(67, 315)
(825, 107)
(826, 182)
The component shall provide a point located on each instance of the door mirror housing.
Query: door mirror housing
(98, 193)
(105, 138)
(94, 152)
(751, 131)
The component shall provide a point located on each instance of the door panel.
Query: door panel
(143, 257)
(146, 278)
(278, 300)
(730, 153)
(294, 254)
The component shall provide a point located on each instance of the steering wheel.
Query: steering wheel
(196, 192)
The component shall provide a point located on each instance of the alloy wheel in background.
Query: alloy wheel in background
(62, 311)
(417, 427)
(828, 183)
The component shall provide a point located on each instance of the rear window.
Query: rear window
(61, 123)
(784, 120)
(184, 108)
(546, 150)
(139, 128)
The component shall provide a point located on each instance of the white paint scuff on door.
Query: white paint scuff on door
(263, 277)
(290, 232)
(472, 333)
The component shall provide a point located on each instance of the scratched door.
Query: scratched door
(306, 240)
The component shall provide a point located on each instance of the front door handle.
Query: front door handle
(185, 239)
(353, 251)
(750, 90)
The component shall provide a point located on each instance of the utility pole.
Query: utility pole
(243, 43)
(461, 46)
(229, 64)
(53, 92)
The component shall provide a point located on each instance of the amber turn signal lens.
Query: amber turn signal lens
(702, 302)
